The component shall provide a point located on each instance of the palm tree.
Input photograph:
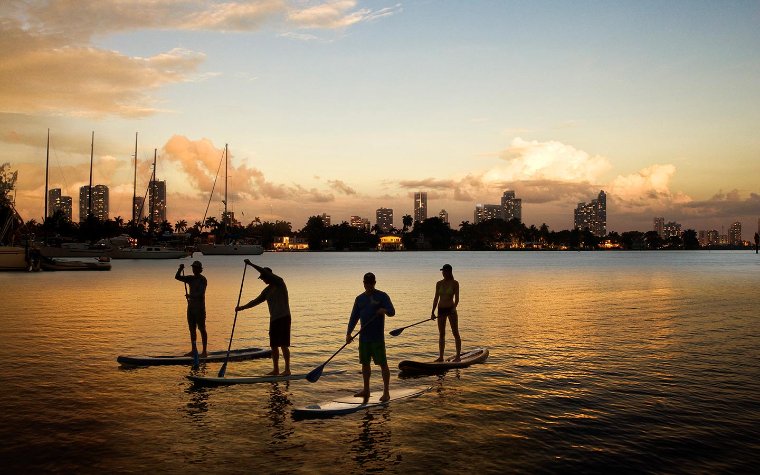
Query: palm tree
(181, 226)
(408, 221)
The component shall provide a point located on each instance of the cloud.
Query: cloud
(725, 205)
(341, 187)
(336, 14)
(648, 188)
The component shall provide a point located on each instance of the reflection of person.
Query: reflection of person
(371, 307)
(196, 304)
(757, 242)
(275, 294)
(446, 299)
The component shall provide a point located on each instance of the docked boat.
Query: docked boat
(76, 249)
(14, 258)
(148, 252)
(101, 263)
(231, 249)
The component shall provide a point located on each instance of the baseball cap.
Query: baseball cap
(446, 267)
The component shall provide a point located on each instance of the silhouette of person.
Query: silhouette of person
(371, 307)
(275, 294)
(757, 242)
(446, 299)
(196, 304)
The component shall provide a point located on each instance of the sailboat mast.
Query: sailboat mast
(226, 157)
(153, 189)
(89, 191)
(47, 167)
(134, 187)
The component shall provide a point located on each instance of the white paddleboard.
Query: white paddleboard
(347, 405)
(217, 381)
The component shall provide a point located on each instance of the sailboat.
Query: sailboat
(230, 248)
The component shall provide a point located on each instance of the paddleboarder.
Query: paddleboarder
(196, 304)
(371, 307)
(446, 299)
(275, 294)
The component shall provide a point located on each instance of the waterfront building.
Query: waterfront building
(384, 219)
(157, 201)
(359, 223)
(592, 216)
(708, 238)
(138, 208)
(659, 226)
(390, 242)
(671, 229)
(97, 200)
(444, 216)
(54, 201)
(735, 234)
(511, 206)
(66, 206)
(420, 206)
(486, 212)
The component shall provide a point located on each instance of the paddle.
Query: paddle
(196, 361)
(314, 374)
(398, 331)
(223, 369)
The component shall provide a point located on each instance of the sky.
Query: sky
(345, 106)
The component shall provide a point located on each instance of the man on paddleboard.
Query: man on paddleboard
(195, 292)
(275, 294)
(446, 299)
(371, 307)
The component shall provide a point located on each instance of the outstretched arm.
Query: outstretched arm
(260, 299)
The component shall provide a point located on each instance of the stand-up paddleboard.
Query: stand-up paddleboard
(213, 357)
(478, 355)
(348, 405)
(216, 381)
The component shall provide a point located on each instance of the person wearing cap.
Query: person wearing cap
(371, 307)
(275, 294)
(196, 304)
(446, 299)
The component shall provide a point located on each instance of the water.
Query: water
(624, 361)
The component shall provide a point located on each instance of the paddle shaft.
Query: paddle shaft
(229, 347)
(398, 331)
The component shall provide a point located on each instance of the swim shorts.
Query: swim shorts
(374, 350)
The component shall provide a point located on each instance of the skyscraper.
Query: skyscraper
(735, 234)
(486, 212)
(420, 206)
(138, 208)
(326, 219)
(384, 219)
(359, 223)
(67, 207)
(592, 215)
(511, 206)
(659, 226)
(157, 201)
(98, 201)
(444, 216)
(54, 201)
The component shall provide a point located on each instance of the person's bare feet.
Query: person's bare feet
(189, 353)
(285, 373)
(385, 397)
(456, 359)
(362, 394)
(203, 355)
(273, 373)
(440, 358)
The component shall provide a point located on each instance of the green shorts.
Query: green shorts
(374, 350)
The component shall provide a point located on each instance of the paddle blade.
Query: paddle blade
(314, 374)
(396, 332)
(222, 370)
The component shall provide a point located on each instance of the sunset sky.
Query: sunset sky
(342, 107)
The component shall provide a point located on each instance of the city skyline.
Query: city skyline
(344, 107)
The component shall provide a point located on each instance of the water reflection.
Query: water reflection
(278, 410)
(197, 406)
(371, 449)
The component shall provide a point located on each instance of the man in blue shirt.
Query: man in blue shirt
(371, 307)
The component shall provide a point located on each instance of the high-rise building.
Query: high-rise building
(326, 219)
(671, 229)
(54, 201)
(486, 212)
(384, 219)
(359, 223)
(157, 201)
(511, 206)
(659, 226)
(67, 207)
(138, 208)
(735, 234)
(444, 216)
(592, 215)
(95, 203)
(420, 206)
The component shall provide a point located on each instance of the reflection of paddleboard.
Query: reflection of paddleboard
(478, 355)
(213, 357)
(348, 405)
(216, 381)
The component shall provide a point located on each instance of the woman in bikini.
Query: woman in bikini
(446, 299)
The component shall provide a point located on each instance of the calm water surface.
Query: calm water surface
(600, 362)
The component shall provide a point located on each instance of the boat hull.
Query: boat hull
(148, 252)
(13, 258)
(231, 249)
